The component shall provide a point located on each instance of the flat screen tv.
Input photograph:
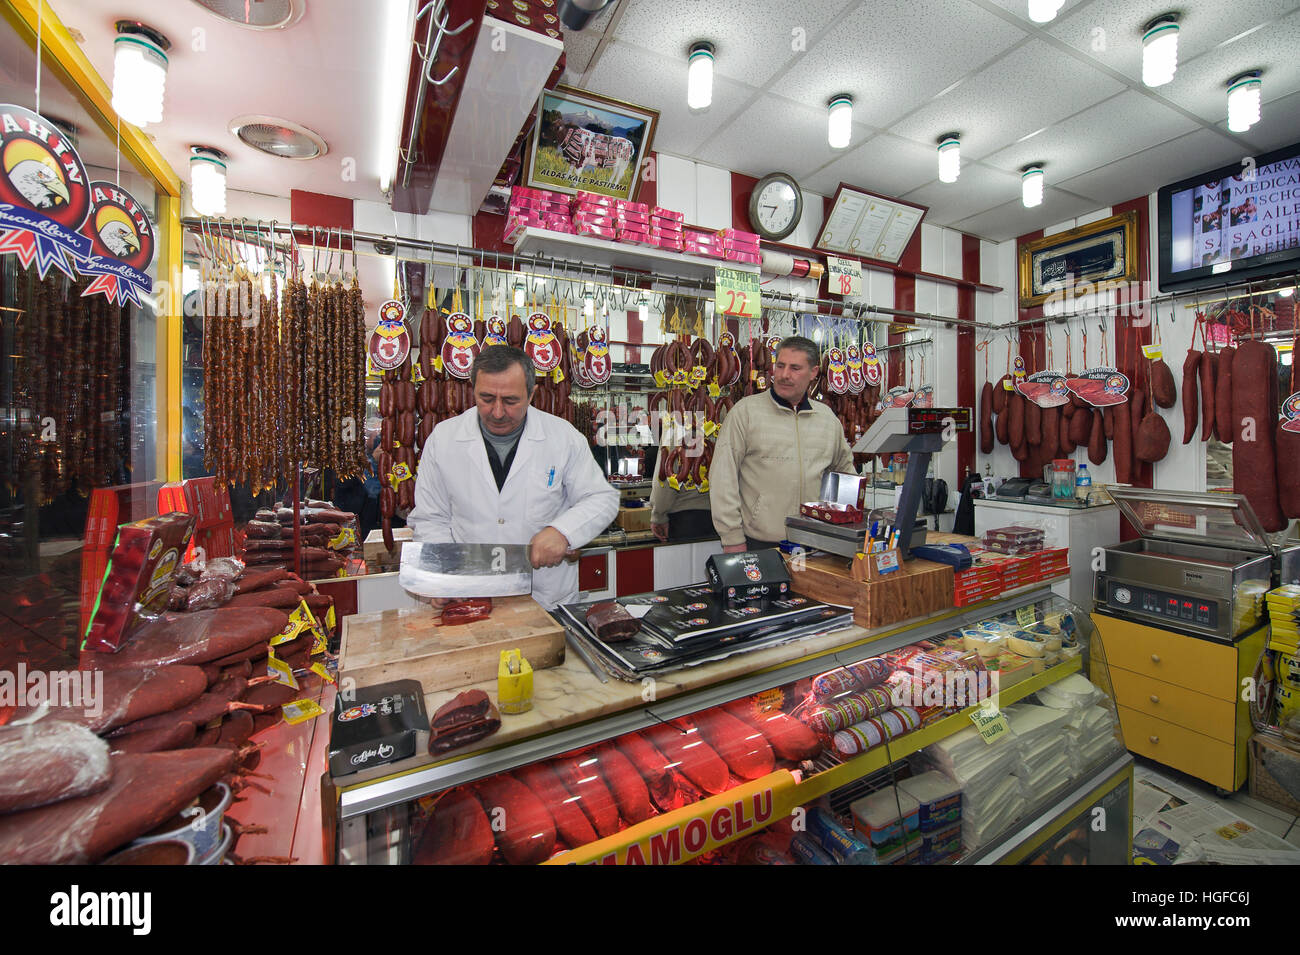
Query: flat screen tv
(1232, 224)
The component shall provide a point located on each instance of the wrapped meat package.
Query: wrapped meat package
(193, 638)
(139, 578)
(47, 761)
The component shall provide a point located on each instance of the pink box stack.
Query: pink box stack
(538, 209)
(739, 246)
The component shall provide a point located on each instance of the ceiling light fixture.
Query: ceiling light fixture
(139, 72)
(398, 28)
(208, 180)
(839, 121)
(1243, 101)
(949, 157)
(1044, 11)
(1160, 50)
(1031, 185)
(699, 76)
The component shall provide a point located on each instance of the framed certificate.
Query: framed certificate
(1100, 254)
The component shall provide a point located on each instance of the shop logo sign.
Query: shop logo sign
(44, 193)
(390, 343)
(121, 245)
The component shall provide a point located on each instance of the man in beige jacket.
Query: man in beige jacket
(772, 451)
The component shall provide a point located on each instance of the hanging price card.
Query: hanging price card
(843, 276)
(736, 293)
(990, 722)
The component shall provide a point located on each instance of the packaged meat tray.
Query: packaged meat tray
(663, 242)
(661, 213)
(640, 208)
(591, 218)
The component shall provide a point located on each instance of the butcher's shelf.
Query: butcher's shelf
(545, 243)
(760, 803)
(420, 776)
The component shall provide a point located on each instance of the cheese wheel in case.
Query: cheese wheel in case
(1026, 644)
(985, 642)
(1051, 636)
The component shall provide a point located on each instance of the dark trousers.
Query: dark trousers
(690, 525)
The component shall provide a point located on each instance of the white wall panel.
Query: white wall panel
(1094, 216)
(952, 243)
(712, 197)
(989, 264)
(932, 248)
(810, 222)
(675, 188)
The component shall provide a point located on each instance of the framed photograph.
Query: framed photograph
(588, 142)
(1101, 254)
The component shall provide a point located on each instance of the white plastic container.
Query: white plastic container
(939, 798)
(876, 819)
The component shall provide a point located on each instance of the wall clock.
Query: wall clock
(775, 206)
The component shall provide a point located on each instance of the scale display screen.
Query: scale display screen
(932, 420)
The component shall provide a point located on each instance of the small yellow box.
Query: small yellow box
(514, 683)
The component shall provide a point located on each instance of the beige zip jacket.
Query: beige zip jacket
(768, 460)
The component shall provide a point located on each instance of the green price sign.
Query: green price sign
(736, 293)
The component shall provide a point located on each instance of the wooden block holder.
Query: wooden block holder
(916, 589)
(867, 567)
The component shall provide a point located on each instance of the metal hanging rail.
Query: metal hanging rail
(385, 246)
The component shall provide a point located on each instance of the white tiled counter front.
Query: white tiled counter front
(1080, 529)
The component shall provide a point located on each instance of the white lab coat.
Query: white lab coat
(553, 481)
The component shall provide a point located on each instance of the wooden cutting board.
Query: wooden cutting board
(407, 645)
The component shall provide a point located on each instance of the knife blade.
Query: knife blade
(465, 570)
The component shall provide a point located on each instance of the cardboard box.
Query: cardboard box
(751, 575)
(633, 519)
(378, 725)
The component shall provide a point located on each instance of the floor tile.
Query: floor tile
(1259, 805)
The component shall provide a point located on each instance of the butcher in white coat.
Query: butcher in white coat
(506, 473)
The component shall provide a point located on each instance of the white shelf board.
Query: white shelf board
(498, 95)
(601, 252)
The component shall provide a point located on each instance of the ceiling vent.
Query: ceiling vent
(259, 15)
(278, 137)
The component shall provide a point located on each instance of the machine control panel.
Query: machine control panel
(1183, 609)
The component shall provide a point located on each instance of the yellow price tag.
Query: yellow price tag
(674, 483)
(714, 390)
(1153, 352)
(437, 363)
(558, 375)
(661, 380)
(710, 428)
(279, 671)
(1025, 616)
(736, 293)
(1007, 385)
(991, 723)
(299, 711)
(320, 671)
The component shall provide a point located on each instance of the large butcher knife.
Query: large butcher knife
(465, 570)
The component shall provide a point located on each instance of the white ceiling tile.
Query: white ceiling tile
(772, 135)
(750, 48)
(1201, 85)
(892, 55)
(885, 165)
(978, 107)
(1121, 125)
(631, 74)
(579, 48)
(1011, 219)
(1110, 31)
(1148, 170)
(978, 188)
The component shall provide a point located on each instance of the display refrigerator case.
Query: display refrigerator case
(964, 739)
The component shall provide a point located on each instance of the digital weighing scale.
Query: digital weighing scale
(916, 432)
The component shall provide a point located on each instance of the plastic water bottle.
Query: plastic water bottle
(1082, 483)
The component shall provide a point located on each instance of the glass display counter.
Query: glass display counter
(961, 740)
